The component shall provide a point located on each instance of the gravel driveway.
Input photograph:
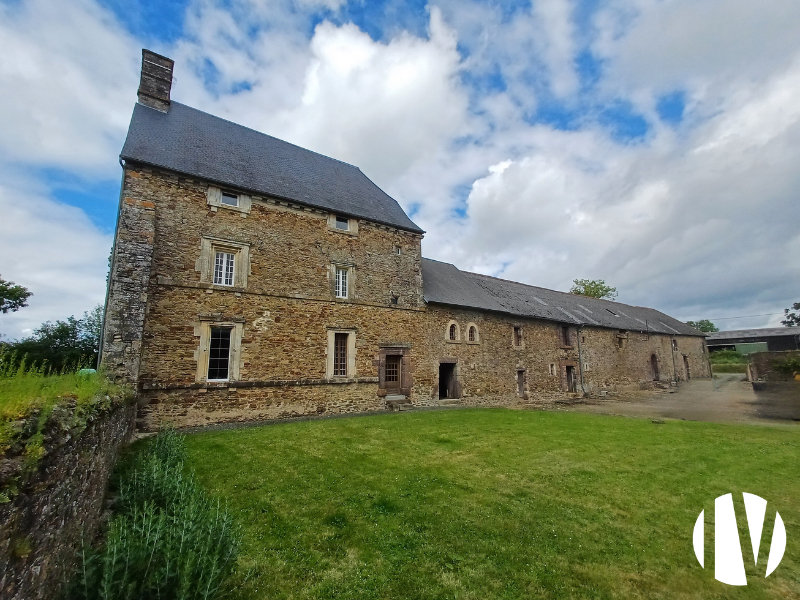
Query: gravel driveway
(726, 398)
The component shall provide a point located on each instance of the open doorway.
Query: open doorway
(686, 368)
(654, 367)
(447, 381)
(521, 383)
(571, 383)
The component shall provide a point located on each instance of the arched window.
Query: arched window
(473, 334)
(453, 331)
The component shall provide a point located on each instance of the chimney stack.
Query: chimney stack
(156, 80)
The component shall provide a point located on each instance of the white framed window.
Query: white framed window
(224, 268)
(229, 198)
(218, 198)
(223, 262)
(341, 282)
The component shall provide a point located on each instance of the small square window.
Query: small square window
(230, 199)
(341, 282)
(342, 223)
(398, 250)
(395, 299)
(674, 345)
(223, 268)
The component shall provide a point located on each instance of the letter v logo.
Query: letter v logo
(728, 561)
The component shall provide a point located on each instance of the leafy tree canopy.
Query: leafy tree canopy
(62, 345)
(703, 325)
(594, 288)
(792, 315)
(12, 296)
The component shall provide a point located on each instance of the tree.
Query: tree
(12, 296)
(594, 288)
(703, 325)
(63, 344)
(792, 315)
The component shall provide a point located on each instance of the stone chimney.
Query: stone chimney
(156, 80)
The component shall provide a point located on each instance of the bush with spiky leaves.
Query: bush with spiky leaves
(168, 539)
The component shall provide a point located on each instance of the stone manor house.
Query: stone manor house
(254, 279)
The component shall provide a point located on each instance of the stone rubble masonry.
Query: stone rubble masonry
(762, 365)
(60, 502)
(161, 294)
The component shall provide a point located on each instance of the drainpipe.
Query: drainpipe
(580, 360)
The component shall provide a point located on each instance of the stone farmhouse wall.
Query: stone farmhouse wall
(284, 312)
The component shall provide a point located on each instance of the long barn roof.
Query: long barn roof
(446, 284)
(187, 140)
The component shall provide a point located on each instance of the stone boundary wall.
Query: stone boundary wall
(53, 504)
(761, 365)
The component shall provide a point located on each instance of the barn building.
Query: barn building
(254, 279)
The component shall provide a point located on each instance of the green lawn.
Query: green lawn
(494, 503)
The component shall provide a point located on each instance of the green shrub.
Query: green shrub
(726, 357)
(787, 366)
(168, 539)
(729, 368)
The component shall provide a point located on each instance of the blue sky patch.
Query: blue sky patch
(160, 20)
(99, 199)
(670, 107)
(625, 124)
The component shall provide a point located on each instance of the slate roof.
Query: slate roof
(752, 333)
(189, 141)
(445, 284)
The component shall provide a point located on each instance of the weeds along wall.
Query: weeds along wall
(51, 501)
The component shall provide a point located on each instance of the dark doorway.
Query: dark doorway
(393, 368)
(571, 386)
(447, 381)
(654, 367)
(686, 367)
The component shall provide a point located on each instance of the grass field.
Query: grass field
(497, 503)
(21, 392)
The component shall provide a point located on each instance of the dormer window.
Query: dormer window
(342, 223)
(229, 199)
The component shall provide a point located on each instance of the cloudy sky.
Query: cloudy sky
(651, 143)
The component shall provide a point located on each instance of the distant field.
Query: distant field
(497, 503)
